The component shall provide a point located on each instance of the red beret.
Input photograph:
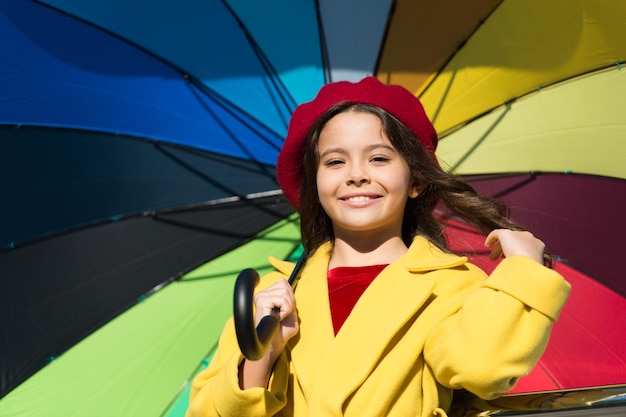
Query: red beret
(395, 99)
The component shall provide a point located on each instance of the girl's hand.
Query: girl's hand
(278, 297)
(505, 243)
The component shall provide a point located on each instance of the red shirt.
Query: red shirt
(346, 284)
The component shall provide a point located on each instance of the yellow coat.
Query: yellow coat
(429, 323)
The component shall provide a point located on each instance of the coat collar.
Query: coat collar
(392, 299)
(422, 256)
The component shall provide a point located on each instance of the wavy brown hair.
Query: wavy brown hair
(439, 187)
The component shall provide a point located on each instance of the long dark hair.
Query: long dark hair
(439, 187)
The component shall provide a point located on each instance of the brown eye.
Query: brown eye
(333, 162)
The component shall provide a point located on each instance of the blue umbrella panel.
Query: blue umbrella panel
(118, 174)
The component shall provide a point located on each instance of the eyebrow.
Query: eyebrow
(367, 149)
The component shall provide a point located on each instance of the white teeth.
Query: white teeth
(358, 199)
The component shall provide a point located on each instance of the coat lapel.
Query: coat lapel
(391, 300)
(316, 329)
(335, 366)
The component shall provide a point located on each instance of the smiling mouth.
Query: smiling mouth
(360, 198)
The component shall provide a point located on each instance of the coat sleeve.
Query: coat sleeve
(500, 331)
(215, 391)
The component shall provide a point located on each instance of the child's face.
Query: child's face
(363, 182)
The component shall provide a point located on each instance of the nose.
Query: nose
(358, 175)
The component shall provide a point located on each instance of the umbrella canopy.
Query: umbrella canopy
(137, 143)
(526, 96)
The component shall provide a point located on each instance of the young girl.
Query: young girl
(384, 320)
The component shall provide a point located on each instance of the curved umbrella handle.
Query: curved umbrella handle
(252, 342)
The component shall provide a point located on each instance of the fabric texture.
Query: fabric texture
(429, 323)
(345, 287)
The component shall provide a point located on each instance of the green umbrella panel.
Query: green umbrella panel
(142, 362)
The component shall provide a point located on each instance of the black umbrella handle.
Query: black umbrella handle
(254, 342)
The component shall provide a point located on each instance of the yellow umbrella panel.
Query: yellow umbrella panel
(576, 126)
(521, 46)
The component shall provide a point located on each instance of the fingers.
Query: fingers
(492, 238)
(505, 243)
(277, 300)
(491, 241)
(496, 251)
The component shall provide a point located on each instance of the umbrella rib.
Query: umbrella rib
(480, 140)
(218, 202)
(212, 156)
(262, 167)
(532, 176)
(549, 374)
(383, 41)
(444, 96)
(260, 201)
(282, 91)
(613, 66)
(459, 47)
(323, 46)
(182, 389)
(204, 229)
(209, 92)
(197, 172)
(217, 184)
(226, 105)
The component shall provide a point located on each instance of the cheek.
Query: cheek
(324, 197)
(329, 179)
(400, 183)
(323, 185)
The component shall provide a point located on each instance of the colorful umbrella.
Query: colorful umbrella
(526, 97)
(137, 142)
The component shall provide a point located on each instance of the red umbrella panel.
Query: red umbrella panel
(589, 339)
